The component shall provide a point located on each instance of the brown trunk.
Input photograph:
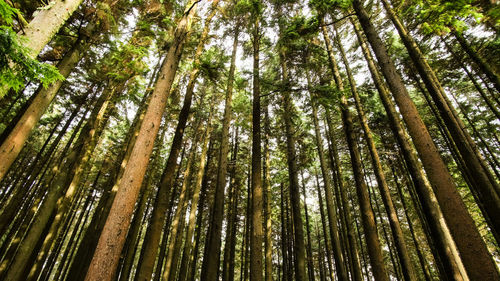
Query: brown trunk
(10, 148)
(256, 236)
(447, 252)
(367, 216)
(294, 187)
(483, 182)
(105, 260)
(397, 233)
(462, 227)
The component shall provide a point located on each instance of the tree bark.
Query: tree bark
(256, 235)
(462, 227)
(105, 260)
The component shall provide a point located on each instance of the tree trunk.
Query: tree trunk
(397, 233)
(256, 236)
(10, 148)
(367, 216)
(294, 187)
(51, 17)
(332, 216)
(105, 260)
(462, 227)
(483, 182)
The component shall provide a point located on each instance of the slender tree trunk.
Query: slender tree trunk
(294, 187)
(56, 202)
(422, 261)
(351, 237)
(324, 228)
(310, 262)
(397, 233)
(367, 216)
(105, 260)
(332, 216)
(169, 271)
(194, 203)
(231, 229)
(480, 62)
(283, 237)
(256, 236)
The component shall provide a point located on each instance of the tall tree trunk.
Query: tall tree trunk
(105, 260)
(232, 217)
(324, 228)
(483, 182)
(310, 262)
(367, 216)
(294, 187)
(256, 235)
(351, 236)
(58, 199)
(268, 243)
(447, 252)
(397, 233)
(469, 242)
(332, 216)
(194, 204)
(169, 271)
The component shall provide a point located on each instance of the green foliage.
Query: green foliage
(440, 16)
(16, 65)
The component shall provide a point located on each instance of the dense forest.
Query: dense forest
(249, 140)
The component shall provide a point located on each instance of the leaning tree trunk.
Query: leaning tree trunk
(446, 251)
(483, 182)
(399, 241)
(107, 254)
(14, 142)
(473, 251)
(367, 215)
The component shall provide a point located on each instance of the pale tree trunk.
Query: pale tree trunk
(107, 254)
(43, 27)
(47, 21)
